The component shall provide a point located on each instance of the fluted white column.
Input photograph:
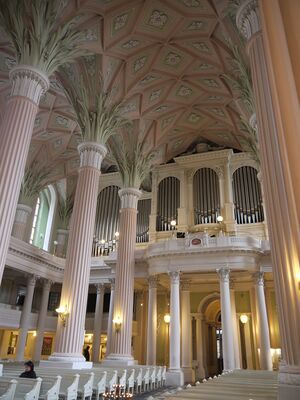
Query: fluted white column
(227, 328)
(186, 332)
(28, 84)
(20, 222)
(279, 144)
(98, 321)
(61, 239)
(236, 342)
(152, 320)
(110, 317)
(70, 337)
(175, 321)
(25, 316)
(200, 346)
(42, 320)
(265, 356)
(124, 276)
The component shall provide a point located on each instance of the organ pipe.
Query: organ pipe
(142, 229)
(206, 196)
(168, 203)
(247, 196)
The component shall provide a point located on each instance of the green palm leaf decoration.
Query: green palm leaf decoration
(98, 116)
(34, 33)
(133, 163)
(65, 208)
(34, 180)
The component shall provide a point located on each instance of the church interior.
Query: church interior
(149, 199)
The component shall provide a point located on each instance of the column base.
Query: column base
(119, 360)
(174, 377)
(65, 364)
(189, 374)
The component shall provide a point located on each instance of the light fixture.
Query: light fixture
(298, 277)
(117, 234)
(220, 218)
(173, 223)
(142, 304)
(117, 322)
(167, 318)
(102, 241)
(63, 313)
(34, 333)
(244, 318)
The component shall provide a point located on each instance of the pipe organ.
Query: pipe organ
(206, 196)
(168, 201)
(107, 221)
(247, 196)
(142, 228)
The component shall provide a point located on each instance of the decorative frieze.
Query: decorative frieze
(224, 274)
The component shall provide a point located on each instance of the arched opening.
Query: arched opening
(247, 196)
(168, 202)
(206, 196)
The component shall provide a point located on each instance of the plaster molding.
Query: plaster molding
(259, 278)
(153, 281)
(248, 19)
(174, 277)
(224, 274)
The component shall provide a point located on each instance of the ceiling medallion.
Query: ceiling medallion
(139, 63)
(130, 44)
(195, 26)
(201, 46)
(218, 112)
(184, 91)
(204, 66)
(161, 108)
(158, 19)
(155, 95)
(37, 122)
(167, 121)
(120, 21)
(210, 83)
(90, 35)
(62, 121)
(193, 118)
(172, 59)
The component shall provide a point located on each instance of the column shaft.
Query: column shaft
(152, 321)
(265, 356)
(25, 316)
(236, 342)
(175, 322)
(16, 128)
(98, 322)
(70, 338)
(200, 345)
(110, 317)
(20, 222)
(227, 329)
(124, 278)
(42, 320)
(186, 333)
(277, 172)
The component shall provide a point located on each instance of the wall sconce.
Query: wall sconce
(173, 223)
(167, 318)
(117, 322)
(34, 333)
(117, 234)
(220, 218)
(244, 318)
(63, 313)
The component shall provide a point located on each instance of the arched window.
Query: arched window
(168, 201)
(247, 196)
(142, 226)
(34, 222)
(206, 196)
(43, 218)
(107, 220)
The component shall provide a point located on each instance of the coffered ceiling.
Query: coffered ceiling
(164, 58)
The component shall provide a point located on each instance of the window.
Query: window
(54, 299)
(34, 223)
